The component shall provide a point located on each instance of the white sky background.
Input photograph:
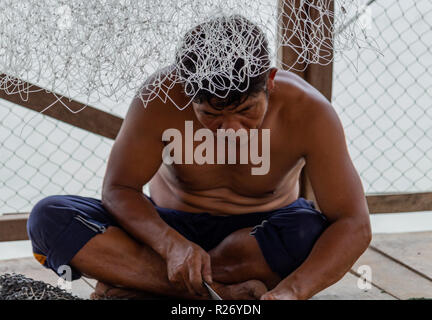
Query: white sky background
(384, 105)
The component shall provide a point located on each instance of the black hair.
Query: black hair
(244, 86)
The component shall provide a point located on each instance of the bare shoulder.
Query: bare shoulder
(304, 107)
(297, 94)
(136, 154)
(160, 108)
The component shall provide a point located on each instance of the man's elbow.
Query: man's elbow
(108, 194)
(105, 198)
(115, 194)
(364, 232)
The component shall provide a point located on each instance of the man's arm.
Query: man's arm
(135, 157)
(128, 169)
(340, 196)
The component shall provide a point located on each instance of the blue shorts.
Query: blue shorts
(60, 225)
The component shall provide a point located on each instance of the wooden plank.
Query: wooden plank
(413, 249)
(401, 202)
(347, 289)
(318, 75)
(32, 269)
(89, 119)
(286, 54)
(13, 227)
(394, 278)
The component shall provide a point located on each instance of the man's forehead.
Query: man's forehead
(251, 98)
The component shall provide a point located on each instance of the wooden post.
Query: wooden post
(320, 76)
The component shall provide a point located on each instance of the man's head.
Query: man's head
(225, 67)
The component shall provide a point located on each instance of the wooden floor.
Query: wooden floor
(400, 264)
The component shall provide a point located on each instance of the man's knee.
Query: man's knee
(43, 215)
(304, 233)
(237, 247)
(60, 225)
(287, 240)
(238, 258)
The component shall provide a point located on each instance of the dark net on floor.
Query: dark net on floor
(18, 287)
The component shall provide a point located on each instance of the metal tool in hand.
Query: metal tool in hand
(212, 293)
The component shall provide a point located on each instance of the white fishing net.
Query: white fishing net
(108, 48)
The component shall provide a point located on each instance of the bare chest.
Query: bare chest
(258, 167)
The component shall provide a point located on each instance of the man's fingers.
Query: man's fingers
(195, 278)
(206, 270)
(187, 283)
(178, 281)
(268, 296)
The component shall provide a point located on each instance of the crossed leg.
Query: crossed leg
(238, 266)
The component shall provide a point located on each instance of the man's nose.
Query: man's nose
(231, 124)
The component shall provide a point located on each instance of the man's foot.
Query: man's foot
(248, 290)
(105, 291)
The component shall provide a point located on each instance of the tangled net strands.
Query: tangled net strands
(19, 287)
(88, 50)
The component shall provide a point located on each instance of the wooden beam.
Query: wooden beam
(89, 119)
(13, 227)
(318, 75)
(403, 202)
(286, 54)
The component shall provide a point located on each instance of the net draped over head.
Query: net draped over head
(86, 50)
(223, 56)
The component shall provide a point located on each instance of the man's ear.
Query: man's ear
(270, 80)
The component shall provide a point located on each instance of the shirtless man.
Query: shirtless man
(250, 236)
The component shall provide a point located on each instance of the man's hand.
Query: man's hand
(188, 265)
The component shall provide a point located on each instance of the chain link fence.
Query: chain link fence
(382, 99)
(48, 157)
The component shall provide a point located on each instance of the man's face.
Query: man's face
(248, 115)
